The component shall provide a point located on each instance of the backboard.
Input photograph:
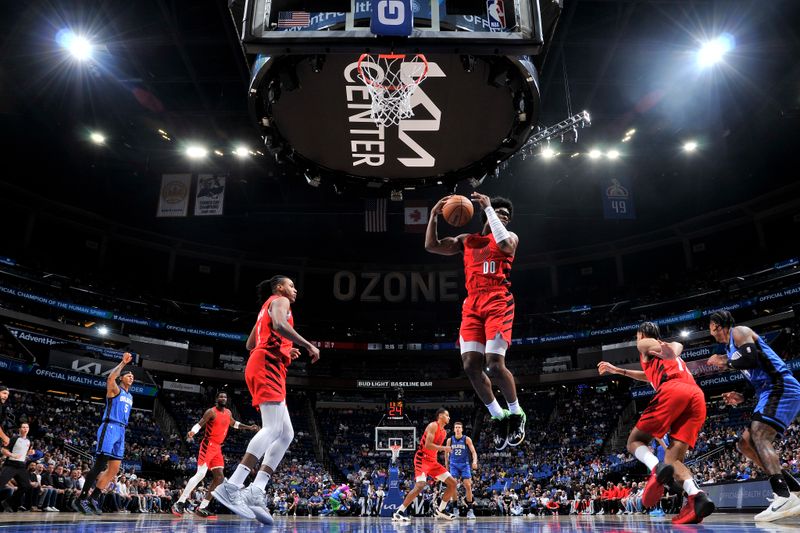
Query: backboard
(385, 436)
(457, 26)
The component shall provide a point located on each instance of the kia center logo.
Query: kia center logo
(391, 12)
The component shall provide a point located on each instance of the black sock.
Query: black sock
(779, 485)
(96, 493)
(793, 484)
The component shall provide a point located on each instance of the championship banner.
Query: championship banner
(617, 200)
(173, 201)
(415, 216)
(210, 195)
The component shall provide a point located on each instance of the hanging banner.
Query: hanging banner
(210, 195)
(174, 198)
(415, 215)
(617, 200)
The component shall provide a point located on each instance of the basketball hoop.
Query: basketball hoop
(395, 448)
(391, 80)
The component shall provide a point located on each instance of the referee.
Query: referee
(16, 452)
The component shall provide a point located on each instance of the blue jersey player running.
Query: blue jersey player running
(110, 438)
(778, 395)
(458, 463)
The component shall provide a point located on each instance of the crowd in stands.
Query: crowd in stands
(559, 468)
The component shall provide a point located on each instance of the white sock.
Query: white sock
(514, 407)
(442, 505)
(401, 508)
(204, 504)
(494, 409)
(644, 454)
(690, 487)
(240, 476)
(262, 478)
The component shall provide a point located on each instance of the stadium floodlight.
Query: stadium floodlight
(548, 153)
(612, 154)
(102, 330)
(97, 137)
(689, 146)
(196, 152)
(684, 333)
(713, 51)
(594, 153)
(78, 46)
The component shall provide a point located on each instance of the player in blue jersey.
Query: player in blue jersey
(110, 438)
(778, 394)
(458, 463)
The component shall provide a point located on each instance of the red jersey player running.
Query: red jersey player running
(270, 344)
(426, 465)
(488, 312)
(678, 408)
(216, 421)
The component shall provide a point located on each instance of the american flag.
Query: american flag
(375, 215)
(293, 19)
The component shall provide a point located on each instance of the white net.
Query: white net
(395, 453)
(391, 80)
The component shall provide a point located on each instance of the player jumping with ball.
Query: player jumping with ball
(488, 311)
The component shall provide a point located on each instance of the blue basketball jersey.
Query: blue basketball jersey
(770, 370)
(459, 453)
(118, 408)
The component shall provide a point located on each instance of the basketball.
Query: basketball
(458, 211)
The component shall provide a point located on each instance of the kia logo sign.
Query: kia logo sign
(391, 12)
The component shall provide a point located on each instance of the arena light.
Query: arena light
(97, 137)
(630, 132)
(102, 330)
(548, 153)
(196, 152)
(612, 154)
(219, 152)
(594, 153)
(242, 151)
(690, 146)
(713, 51)
(78, 46)
(684, 333)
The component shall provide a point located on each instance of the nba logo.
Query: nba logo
(496, 14)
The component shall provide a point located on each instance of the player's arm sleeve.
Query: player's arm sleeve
(746, 356)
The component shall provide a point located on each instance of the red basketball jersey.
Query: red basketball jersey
(659, 371)
(217, 427)
(267, 338)
(438, 439)
(486, 266)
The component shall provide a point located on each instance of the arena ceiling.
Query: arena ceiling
(176, 66)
